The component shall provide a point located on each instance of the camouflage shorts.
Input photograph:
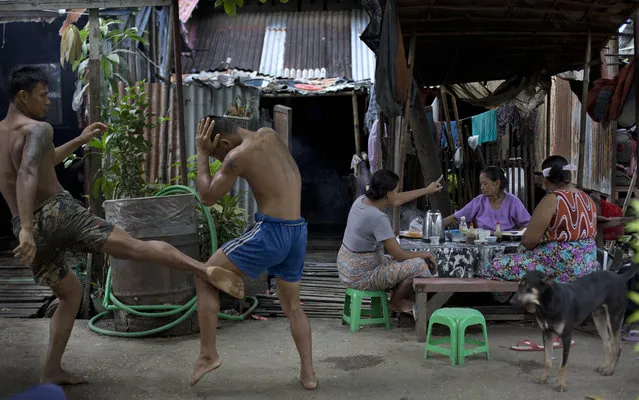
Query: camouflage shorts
(62, 224)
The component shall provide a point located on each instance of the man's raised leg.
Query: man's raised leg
(208, 306)
(68, 292)
(289, 296)
(121, 245)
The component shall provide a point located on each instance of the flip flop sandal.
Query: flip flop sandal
(632, 336)
(527, 345)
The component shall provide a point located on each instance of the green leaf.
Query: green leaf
(634, 296)
(240, 3)
(114, 58)
(633, 318)
(96, 144)
(219, 3)
(229, 7)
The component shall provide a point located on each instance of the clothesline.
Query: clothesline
(466, 118)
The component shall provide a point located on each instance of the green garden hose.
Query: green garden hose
(111, 303)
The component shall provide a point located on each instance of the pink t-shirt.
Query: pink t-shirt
(511, 213)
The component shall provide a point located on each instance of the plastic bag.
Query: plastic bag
(417, 225)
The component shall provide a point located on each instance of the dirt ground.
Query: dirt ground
(260, 362)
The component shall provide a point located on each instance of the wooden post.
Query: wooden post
(177, 54)
(95, 265)
(548, 117)
(582, 125)
(403, 132)
(358, 146)
(636, 76)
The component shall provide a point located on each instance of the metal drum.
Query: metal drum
(171, 219)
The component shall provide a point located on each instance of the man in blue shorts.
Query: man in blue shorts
(277, 241)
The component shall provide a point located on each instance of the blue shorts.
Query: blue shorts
(272, 244)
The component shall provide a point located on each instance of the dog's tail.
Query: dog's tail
(631, 272)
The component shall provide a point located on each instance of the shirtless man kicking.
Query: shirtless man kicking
(48, 221)
(277, 241)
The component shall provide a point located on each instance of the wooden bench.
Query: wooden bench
(444, 288)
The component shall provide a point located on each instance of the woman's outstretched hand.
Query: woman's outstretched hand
(435, 187)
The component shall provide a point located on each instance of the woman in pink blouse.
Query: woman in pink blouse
(493, 205)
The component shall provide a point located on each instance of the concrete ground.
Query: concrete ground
(260, 362)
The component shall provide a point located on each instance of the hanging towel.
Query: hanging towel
(485, 126)
(375, 147)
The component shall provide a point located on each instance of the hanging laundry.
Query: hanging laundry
(375, 147)
(391, 73)
(507, 114)
(372, 111)
(361, 170)
(453, 127)
(485, 126)
(619, 88)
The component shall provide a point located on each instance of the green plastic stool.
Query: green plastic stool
(457, 320)
(473, 317)
(353, 312)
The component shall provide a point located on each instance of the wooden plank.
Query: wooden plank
(15, 306)
(20, 5)
(463, 285)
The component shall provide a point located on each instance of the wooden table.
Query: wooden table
(444, 288)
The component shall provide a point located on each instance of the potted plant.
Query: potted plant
(242, 110)
(130, 205)
(228, 214)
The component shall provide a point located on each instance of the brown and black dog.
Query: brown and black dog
(560, 307)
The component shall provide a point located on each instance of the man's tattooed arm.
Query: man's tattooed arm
(37, 143)
(223, 180)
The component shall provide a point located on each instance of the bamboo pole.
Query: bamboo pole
(177, 56)
(582, 125)
(91, 161)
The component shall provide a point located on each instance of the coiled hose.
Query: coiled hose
(111, 303)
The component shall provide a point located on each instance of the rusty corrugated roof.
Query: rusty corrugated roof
(315, 44)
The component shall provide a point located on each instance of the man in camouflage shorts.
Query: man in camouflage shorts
(48, 222)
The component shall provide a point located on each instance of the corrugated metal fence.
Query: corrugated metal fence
(198, 102)
(565, 121)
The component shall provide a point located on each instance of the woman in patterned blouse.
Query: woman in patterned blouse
(560, 239)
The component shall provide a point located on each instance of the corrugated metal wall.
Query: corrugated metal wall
(198, 102)
(565, 121)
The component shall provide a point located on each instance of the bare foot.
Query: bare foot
(63, 377)
(308, 383)
(227, 281)
(203, 366)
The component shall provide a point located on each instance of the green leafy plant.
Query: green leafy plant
(633, 229)
(231, 6)
(227, 213)
(113, 65)
(123, 146)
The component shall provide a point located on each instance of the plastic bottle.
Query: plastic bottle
(498, 233)
(463, 227)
